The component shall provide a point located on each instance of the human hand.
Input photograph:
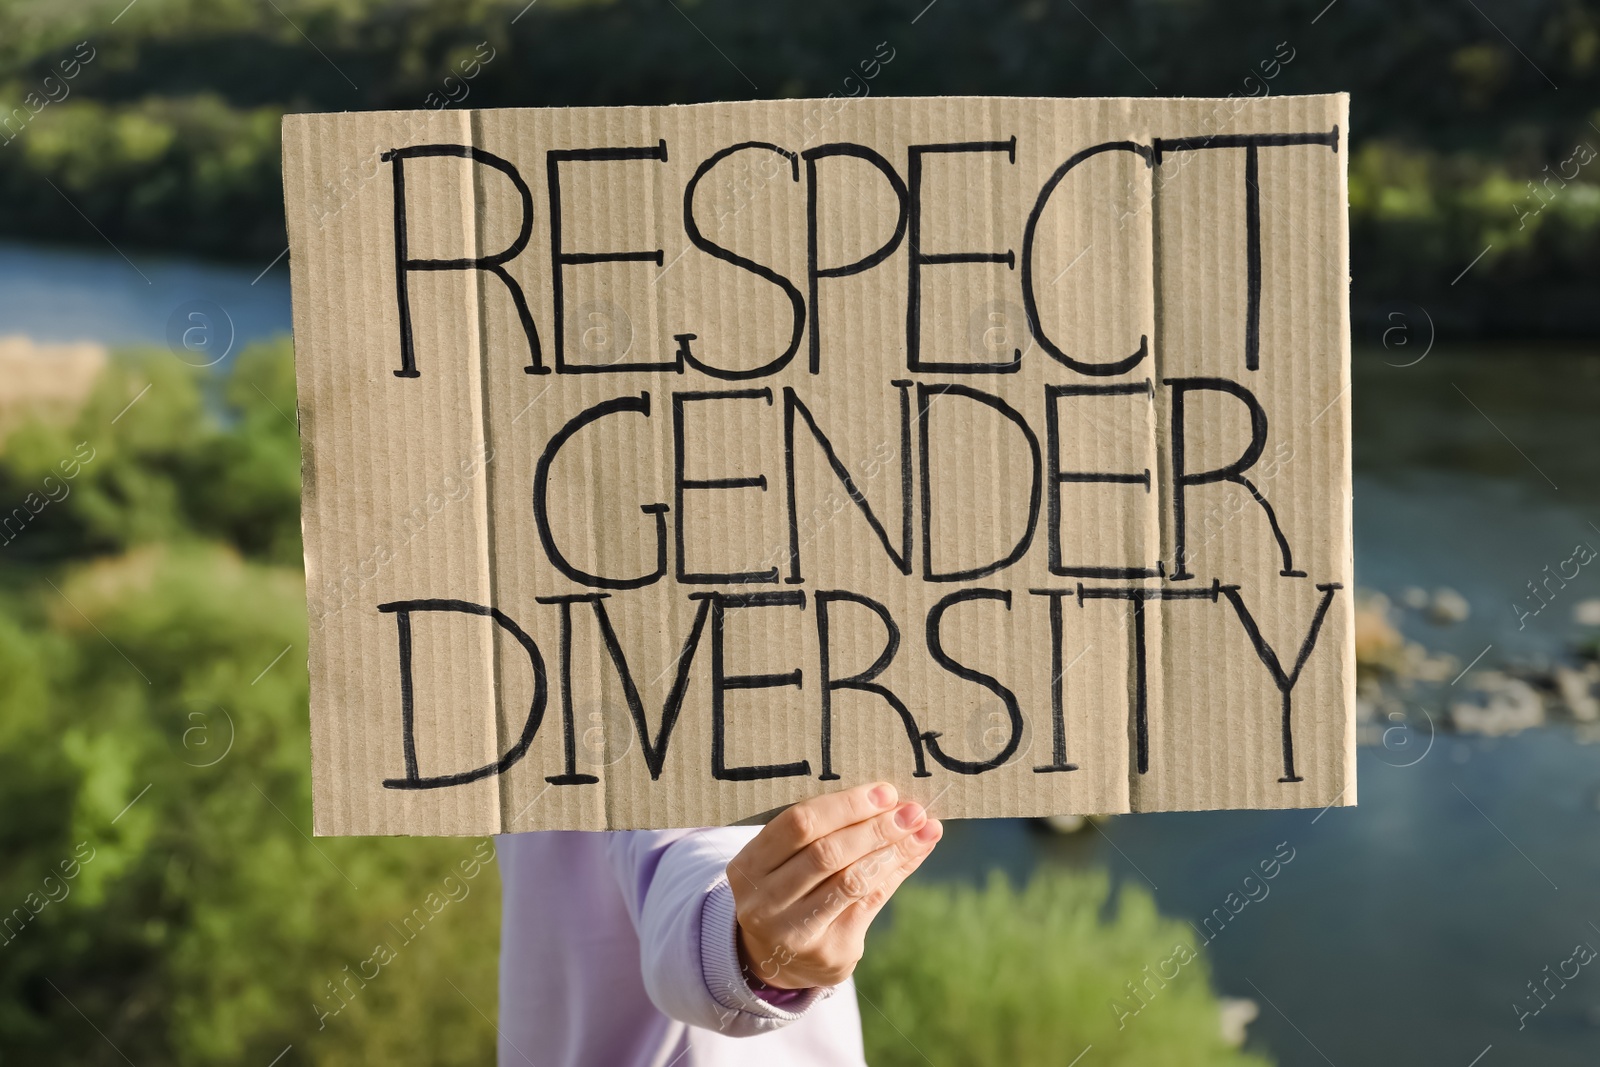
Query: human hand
(806, 887)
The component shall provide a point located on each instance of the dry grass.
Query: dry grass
(45, 381)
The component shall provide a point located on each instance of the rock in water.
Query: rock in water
(1448, 606)
(1507, 706)
(1237, 1015)
(1577, 693)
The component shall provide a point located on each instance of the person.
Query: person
(700, 948)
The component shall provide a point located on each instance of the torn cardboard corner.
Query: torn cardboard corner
(664, 466)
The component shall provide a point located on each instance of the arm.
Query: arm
(678, 895)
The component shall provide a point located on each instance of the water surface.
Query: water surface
(1406, 929)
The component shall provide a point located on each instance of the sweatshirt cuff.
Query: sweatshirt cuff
(724, 977)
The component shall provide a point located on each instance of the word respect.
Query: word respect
(911, 220)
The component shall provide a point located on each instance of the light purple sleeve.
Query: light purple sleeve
(676, 887)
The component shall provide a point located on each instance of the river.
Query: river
(1405, 929)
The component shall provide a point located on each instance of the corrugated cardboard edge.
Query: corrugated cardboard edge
(295, 138)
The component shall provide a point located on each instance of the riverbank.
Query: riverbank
(1474, 200)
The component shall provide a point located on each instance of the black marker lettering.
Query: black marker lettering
(721, 682)
(865, 263)
(495, 264)
(402, 611)
(655, 752)
(541, 506)
(1058, 725)
(569, 742)
(925, 394)
(919, 259)
(863, 681)
(1284, 682)
(1056, 477)
(700, 241)
(758, 481)
(901, 558)
(1183, 479)
(1138, 595)
(1030, 303)
(1252, 143)
(942, 658)
(560, 258)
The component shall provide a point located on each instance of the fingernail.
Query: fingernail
(883, 795)
(909, 817)
(929, 832)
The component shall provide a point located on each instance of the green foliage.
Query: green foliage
(123, 470)
(1412, 211)
(150, 457)
(161, 899)
(253, 473)
(189, 171)
(1032, 976)
(156, 637)
(168, 135)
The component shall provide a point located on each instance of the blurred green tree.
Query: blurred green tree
(153, 742)
(166, 134)
(1030, 977)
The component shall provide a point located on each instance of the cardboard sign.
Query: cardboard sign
(664, 466)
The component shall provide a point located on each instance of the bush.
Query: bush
(1000, 977)
(153, 764)
(149, 459)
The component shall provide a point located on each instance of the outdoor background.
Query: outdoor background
(160, 900)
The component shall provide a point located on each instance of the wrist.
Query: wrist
(753, 971)
(724, 950)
